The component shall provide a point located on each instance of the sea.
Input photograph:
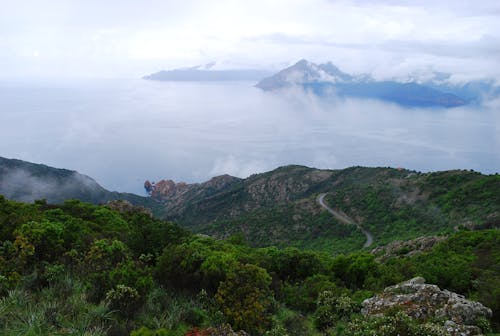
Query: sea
(122, 132)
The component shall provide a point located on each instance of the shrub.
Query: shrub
(123, 299)
(245, 298)
(332, 308)
(394, 324)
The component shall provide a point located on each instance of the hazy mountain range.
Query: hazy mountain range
(206, 73)
(328, 80)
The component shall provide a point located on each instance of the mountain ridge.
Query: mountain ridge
(327, 80)
(280, 207)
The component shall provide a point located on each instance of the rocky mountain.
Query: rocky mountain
(328, 80)
(27, 182)
(281, 207)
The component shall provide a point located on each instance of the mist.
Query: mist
(22, 185)
(122, 132)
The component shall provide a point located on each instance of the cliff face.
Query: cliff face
(169, 191)
(166, 189)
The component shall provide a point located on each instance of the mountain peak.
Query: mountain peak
(302, 64)
(304, 72)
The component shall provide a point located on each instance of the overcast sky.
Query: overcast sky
(130, 38)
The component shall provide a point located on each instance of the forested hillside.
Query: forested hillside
(280, 207)
(81, 269)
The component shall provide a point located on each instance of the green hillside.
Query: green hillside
(81, 269)
(280, 207)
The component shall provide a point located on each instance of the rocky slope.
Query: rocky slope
(279, 207)
(407, 248)
(424, 302)
(227, 197)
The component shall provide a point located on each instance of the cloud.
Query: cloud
(132, 38)
(239, 167)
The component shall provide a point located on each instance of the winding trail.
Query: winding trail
(344, 219)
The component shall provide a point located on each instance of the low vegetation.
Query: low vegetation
(81, 269)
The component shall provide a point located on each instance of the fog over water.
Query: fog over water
(122, 132)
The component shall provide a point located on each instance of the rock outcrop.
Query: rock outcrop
(170, 191)
(425, 301)
(126, 206)
(406, 248)
(222, 330)
(167, 188)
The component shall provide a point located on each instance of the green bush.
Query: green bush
(332, 308)
(123, 299)
(245, 298)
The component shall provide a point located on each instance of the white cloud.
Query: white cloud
(131, 37)
(238, 167)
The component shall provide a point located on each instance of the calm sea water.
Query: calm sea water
(121, 132)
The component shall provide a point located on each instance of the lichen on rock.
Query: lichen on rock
(423, 301)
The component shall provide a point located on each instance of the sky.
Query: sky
(131, 38)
